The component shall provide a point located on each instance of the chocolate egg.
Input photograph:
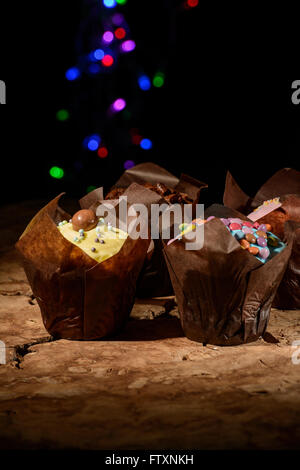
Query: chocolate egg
(84, 219)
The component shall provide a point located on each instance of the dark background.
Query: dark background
(222, 106)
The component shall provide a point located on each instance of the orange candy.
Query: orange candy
(254, 250)
(244, 244)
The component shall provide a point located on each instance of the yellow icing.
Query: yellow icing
(114, 240)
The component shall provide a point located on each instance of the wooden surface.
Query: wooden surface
(148, 388)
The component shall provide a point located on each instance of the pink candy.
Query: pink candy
(247, 224)
(235, 226)
(264, 253)
(247, 229)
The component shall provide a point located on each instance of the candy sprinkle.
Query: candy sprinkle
(93, 249)
(102, 241)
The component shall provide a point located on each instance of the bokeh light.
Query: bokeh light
(107, 60)
(72, 74)
(92, 142)
(192, 3)
(128, 46)
(118, 105)
(146, 144)
(108, 37)
(94, 69)
(121, 2)
(90, 188)
(120, 33)
(137, 139)
(56, 172)
(102, 152)
(128, 164)
(98, 54)
(117, 19)
(62, 115)
(109, 3)
(158, 79)
(144, 82)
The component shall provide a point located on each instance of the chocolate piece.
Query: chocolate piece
(85, 219)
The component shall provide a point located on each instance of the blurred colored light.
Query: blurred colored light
(120, 33)
(146, 144)
(92, 145)
(121, 2)
(192, 3)
(92, 142)
(62, 115)
(158, 80)
(136, 139)
(56, 172)
(108, 36)
(94, 69)
(128, 164)
(144, 82)
(102, 152)
(107, 60)
(109, 3)
(72, 74)
(119, 104)
(128, 46)
(90, 188)
(117, 19)
(98, 54)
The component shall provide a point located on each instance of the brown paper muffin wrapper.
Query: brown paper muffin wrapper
(78, 297)
(224, 293)
(286, 185)
(154, 280)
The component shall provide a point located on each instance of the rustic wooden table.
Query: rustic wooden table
(148, 388)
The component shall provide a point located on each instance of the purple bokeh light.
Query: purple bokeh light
(108, 37)
(128, 164)
(118, 105)
(118, 19)
(128, 46)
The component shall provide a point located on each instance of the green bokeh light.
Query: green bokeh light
(158, 79)
(90, 188)
(62, 115)
(56, 172)
(121, 2)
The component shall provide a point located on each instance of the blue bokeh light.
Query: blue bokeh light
(146, 144)
(98, 54)
(92, 142)
(72, 74)
(94, 69)
(144, 82)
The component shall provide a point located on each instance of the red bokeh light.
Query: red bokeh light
(192, 3)
(102, 152)
(136, 139)
(107, 60)
(120, 33)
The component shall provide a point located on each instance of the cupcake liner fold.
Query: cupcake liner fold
(154, 280)
(78, 297)
(224, 293)
(285, 184)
